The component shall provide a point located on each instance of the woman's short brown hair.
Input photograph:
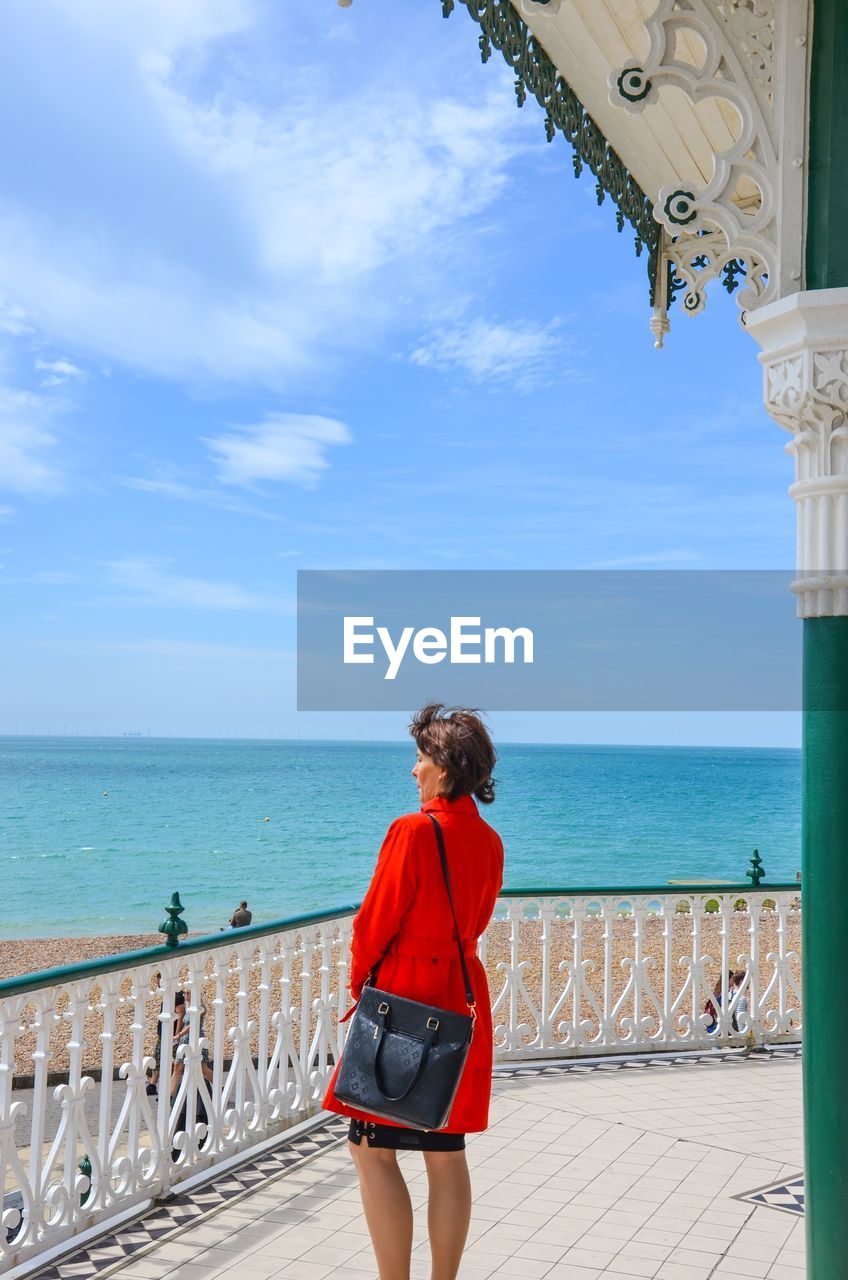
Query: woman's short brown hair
(459, 742)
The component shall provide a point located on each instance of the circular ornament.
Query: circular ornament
(633, 84)
(680, 207)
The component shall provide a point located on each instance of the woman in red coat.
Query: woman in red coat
(404, 930)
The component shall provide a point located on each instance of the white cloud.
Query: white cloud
(13, 319)
(238, 232)
(186, 649)
(524, 354)
(652, 559)
(168, 487)
(152, 578)
(57, 372)
(57, 577)
(358, 185)
(25, 443)
(6, 513)
(284, 446)
(151, 33)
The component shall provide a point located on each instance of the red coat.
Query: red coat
(406, 919)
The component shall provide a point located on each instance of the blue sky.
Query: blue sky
(288, 289)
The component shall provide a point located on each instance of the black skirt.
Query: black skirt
(398, 1139)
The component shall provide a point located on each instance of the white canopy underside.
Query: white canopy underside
(669, 141)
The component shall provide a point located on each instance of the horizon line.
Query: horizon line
(388, 742)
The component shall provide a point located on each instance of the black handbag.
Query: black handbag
(403, 1060)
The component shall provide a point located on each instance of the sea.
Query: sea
(97, 833)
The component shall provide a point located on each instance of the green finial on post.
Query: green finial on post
(84, 1167)
(756, 871)
(173, 928)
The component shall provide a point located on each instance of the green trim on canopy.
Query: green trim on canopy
(827, 190)
(535, 74)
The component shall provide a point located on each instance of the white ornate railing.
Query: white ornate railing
(83, 1144)
(590, 972)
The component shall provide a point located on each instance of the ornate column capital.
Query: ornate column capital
(804, 354)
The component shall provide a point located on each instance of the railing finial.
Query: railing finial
(84, 1167)
(756, 871)
(174, 927)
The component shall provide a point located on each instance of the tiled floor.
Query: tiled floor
(619, 1172)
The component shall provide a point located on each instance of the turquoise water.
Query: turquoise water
(190, 815)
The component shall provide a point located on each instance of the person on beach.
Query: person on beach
(403, 941)
(181, 1037)
(177, 1023)
(241, 916)
(737, 982)
(714, 1003)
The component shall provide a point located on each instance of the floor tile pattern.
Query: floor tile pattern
(786, 1195)
(172, 1217)
(614, 1169)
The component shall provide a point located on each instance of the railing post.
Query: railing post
(546, 917)
(10, 1219)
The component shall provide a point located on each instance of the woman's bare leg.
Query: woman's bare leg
(388, 1208)
(177, 1069)
(448, 1210)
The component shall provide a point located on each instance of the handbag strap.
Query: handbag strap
(382, 1020)
(440, 840)
(371, 979)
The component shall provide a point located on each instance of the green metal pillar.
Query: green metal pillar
(825, 891)
(825, 770)
(827, 155)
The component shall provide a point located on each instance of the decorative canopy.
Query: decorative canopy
(691, 115)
